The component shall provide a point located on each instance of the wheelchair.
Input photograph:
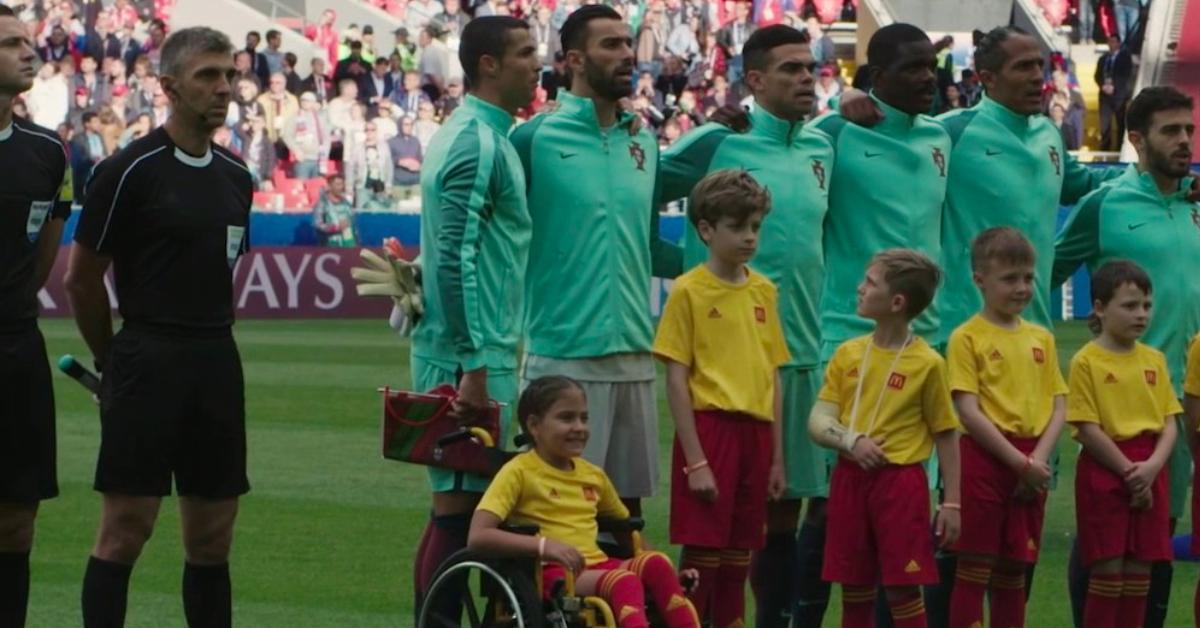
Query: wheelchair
(489, 592)
(472, 589)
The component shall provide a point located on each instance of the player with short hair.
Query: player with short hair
(169, 214)
(475, 241)
(722, 341)
(1123, 409)
(1011, 398)
(884, 407)
(779, 70)
(36, 201)
(594, 247)
(1146, 216)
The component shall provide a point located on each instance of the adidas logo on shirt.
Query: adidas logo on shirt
(1111, 379)
(553, 493)
(714, 313)
(995, 356)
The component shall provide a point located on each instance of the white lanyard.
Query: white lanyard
(862, 375)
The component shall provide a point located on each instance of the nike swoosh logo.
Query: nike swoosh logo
(1136, 225)
(992, 153)
(868, 154)
(562, 155)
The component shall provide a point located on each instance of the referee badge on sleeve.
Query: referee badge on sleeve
(38, 210)
(233, 243)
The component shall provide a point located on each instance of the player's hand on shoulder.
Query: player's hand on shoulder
(733, 117)
(949, 526)
(856, 106)
(868, 453)
(563, 554)
(703, 484)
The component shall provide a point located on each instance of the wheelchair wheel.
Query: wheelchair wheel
(470, 590)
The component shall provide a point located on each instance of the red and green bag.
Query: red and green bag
(414, 423)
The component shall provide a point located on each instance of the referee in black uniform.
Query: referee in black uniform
(170, 214)
(34, 202)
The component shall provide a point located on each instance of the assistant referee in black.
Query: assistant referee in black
(34, 202)
(170, 214)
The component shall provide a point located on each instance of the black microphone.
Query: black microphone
(78, 372)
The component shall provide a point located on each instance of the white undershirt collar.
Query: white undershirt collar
(6, 132)
(195, 162)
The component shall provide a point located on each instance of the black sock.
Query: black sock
(449, 535)
(1077, 584)
(207, 600)
(937, 596)
(1161, 574)
(812, 593)
(772, 572)
(1030, 568)
(105, 592)
(14, 588)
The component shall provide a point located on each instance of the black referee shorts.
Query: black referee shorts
(172, 405)
(28, 452)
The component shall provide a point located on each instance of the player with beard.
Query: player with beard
(1146, 216)
(793, 163)
(590, 170)
(34, 203)
(475, 242)
(169, 214)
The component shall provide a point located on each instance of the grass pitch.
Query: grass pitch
(326, 535)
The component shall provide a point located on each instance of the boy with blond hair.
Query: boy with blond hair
(721, 339)
(1011, 398)
(885, 406)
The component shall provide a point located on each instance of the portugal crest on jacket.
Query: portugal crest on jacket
(939, 160)
(818, 170)
(638, 155)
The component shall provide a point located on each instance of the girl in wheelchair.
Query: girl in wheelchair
(553, 487)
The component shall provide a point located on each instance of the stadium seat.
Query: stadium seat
(313, 188)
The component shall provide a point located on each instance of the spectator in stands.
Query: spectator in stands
(951, 99)
(669, 133)
(79, 106)
(258, 61)
(258, 150)
(243, 106)
(452, 20)
(142, 98)
(544, 35)
(368, 163)
(819, 42)
(386, 121)
(161, 109)
(129, 48)
(555, 78)
(420, 12)
(122, 15)
(826, 88)
(683, 41)
(48, 99)
(140, 127)
(318, 82)
(97, 88)
(686, 113)
(435, 62)
(354, 131)
(118, 101)
(273, 54)
(308, 137)
(326, 38)
(733, 36)
(368, 44)
(379, 86)
(339, 108)
(87, 150)
(406, 49)
(1085, 22)
(1070, 135)
(333, 215)
(1114, 76)
(353, 68)
(62, 14)
(154, 42)
(292, 81)
(969, 87)
(407, 154)
(645, 88)
(57, 46)
(278, 108)
(425, 126)
(101, 43)
(111, 128)
(1062, 94)
(651, 40)
(451, 100)
(671, 82)
(243, 67)
(718, 96)
(652, 116)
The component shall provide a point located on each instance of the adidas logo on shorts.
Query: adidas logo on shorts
(912, 567)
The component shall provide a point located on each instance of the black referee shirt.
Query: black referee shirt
(174, 225)
(33, 189)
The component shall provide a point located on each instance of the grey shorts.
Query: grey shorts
(622, 415)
